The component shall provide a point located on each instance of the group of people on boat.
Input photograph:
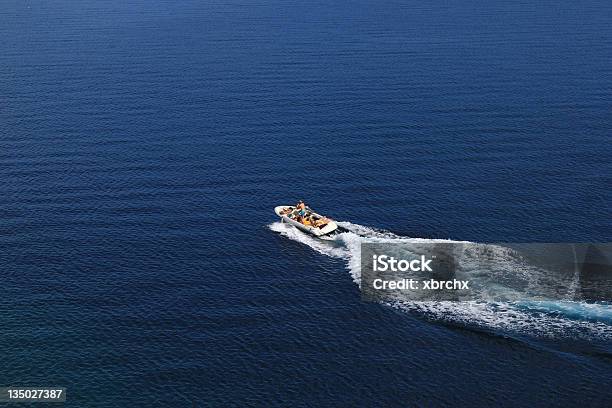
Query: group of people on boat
(302, 214)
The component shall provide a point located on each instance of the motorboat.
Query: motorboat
(311, 223)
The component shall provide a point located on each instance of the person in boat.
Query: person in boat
(286, 210)
(321, 222)
(301, 208)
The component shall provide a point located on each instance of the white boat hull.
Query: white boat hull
(331, 226)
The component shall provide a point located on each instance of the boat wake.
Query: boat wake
(515, 315)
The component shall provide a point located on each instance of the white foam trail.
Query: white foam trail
(544, 319)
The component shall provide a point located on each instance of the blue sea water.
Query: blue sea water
(143, 146)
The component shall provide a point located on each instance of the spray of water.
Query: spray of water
(551, 319)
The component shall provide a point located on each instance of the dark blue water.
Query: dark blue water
(143, 146)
